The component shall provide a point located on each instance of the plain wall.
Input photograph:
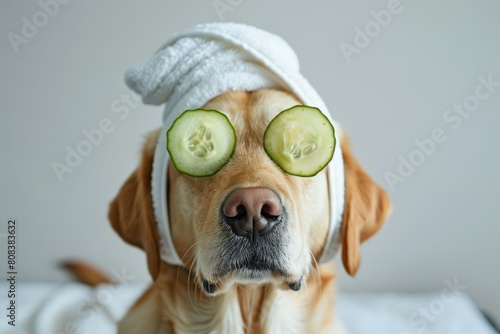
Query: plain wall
(396, 90)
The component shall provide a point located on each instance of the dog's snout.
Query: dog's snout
(252, 211)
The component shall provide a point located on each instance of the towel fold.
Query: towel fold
(204, 61)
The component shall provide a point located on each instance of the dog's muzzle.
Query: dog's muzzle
(254, 222)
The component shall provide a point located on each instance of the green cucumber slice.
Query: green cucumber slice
(300, 140)
(200, 142)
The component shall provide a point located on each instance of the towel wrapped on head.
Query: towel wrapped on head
(204, 61)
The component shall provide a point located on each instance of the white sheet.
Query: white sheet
(48, 308)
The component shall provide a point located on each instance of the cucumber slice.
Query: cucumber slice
(200, 142)
(300, 140)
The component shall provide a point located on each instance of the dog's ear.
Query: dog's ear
(366, 209)
(131, 212)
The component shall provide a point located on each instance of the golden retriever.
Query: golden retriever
(286, 291)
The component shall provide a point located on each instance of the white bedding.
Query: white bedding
(48, 308)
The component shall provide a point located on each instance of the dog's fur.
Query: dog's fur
(242, 303)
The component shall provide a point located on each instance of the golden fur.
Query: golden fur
(176, 303)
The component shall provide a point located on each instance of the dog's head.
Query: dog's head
(250, 222)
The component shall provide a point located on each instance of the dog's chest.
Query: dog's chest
(273, 313)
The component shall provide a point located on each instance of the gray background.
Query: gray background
(396, 90)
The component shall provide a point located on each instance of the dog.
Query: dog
(219, 290)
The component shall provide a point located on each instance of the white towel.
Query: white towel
(204, 61)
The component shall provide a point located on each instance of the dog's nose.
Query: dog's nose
(252, 211)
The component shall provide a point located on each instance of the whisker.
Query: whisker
(183, 258)
(189, 281)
